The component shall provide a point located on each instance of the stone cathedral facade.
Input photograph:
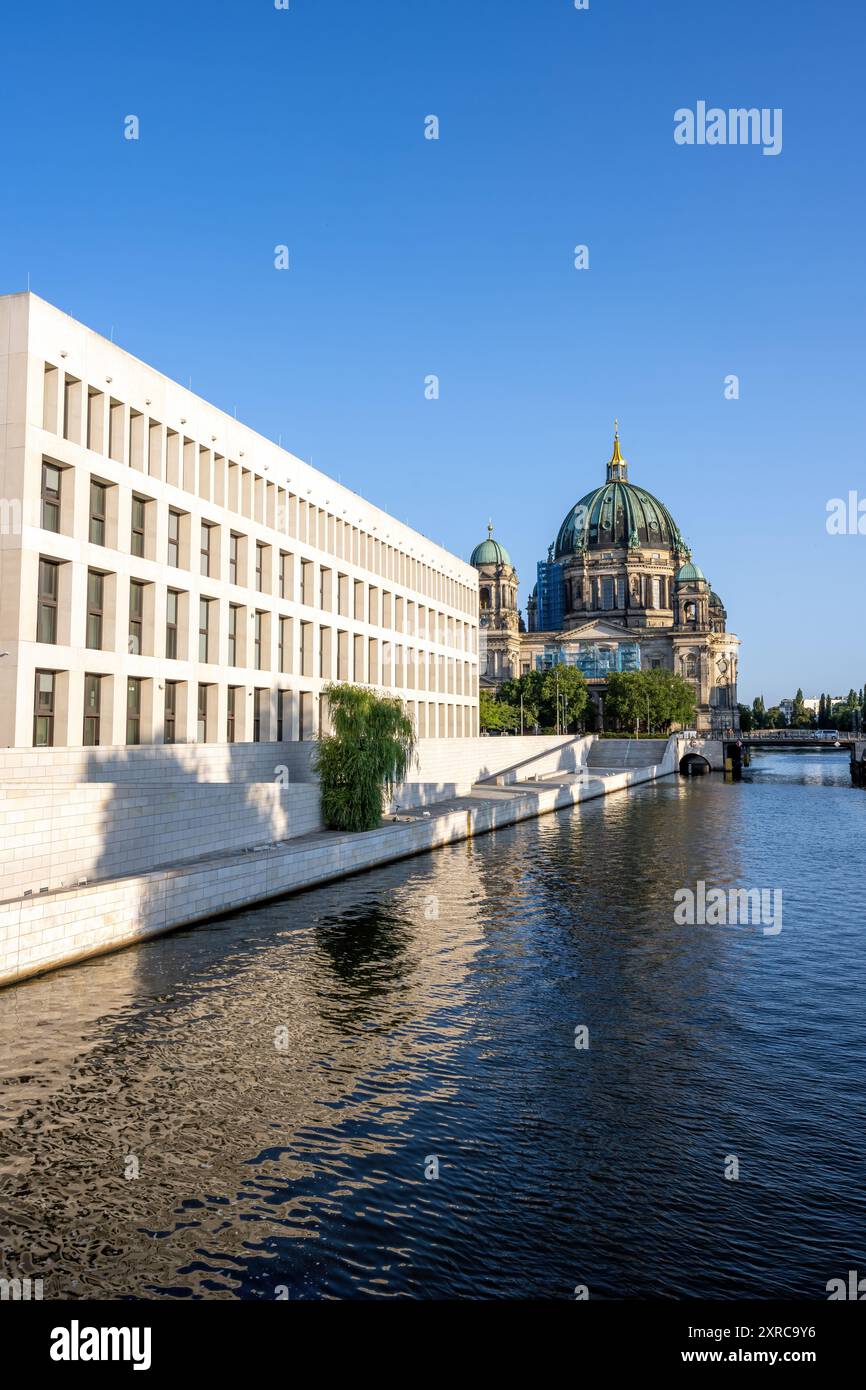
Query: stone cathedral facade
(618, 591)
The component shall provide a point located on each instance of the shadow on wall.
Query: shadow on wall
(173, 804)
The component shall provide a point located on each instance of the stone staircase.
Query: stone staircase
(619, 754)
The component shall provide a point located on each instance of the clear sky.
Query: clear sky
(305, 127)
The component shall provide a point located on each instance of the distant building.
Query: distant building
(618, 592)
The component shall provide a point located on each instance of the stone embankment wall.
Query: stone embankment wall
(172, 840)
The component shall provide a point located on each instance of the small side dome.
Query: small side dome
(690, 574)
(490, 552)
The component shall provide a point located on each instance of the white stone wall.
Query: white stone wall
(198, 762)
(383, 605)
(54, 837)
(450, 767)
(71, 814)
(36, 934)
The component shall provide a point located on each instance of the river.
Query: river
(373, 1089)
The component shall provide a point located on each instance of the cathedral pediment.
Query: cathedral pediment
(599, 631)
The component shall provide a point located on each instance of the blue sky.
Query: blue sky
(408, 257)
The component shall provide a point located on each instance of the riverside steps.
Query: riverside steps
(57, 926)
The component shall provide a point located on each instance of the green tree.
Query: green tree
(624, 699)
(800, 718)
(759, 712)
(655, 699)
(529, 687)
(367, 754)
(672, 699)
(746, 718)
(539, 690)
(567, 685)
(495, 715)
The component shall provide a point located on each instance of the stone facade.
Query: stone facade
(167, 575)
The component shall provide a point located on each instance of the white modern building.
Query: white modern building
(168, 575)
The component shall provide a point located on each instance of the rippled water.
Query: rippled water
(282, 1078)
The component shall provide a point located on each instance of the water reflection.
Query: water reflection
(282, 1077)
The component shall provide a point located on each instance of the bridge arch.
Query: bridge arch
(694, 765)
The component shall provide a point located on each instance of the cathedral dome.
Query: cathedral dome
(490, 552)
(690, 574)
(617, 514)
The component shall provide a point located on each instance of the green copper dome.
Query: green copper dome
(617, 513)
(690, 574)
(490, 552)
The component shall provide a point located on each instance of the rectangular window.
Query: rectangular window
(203, 630)
(258, 708)
(307, 569)
(95, 606)
(170, 721)
(285, 574)
(284, 639)
(50, 497)
(234, 547)
(136, 545)
(206, 557)
(92, 701)
(46, 611)
(260, 565)
(174, 538)
(231, 713)
(171, 612)
(282, 696)
(136, 616)
(98, 493)
(257, 641)
(133, 710)
(201, 723)
(607, 591)
(43, 710)
(233, 634)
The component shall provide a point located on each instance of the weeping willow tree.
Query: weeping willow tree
(365, 756)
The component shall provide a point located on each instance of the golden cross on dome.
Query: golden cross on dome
(616, 466)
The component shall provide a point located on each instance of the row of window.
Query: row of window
(157, 451)
(45, 701)
(240, 647)
(450, 719)
(378, 608)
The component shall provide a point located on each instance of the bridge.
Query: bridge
(731, 751)
(831, 739)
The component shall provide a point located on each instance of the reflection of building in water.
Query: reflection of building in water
(617, 592)
(258, 1073)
